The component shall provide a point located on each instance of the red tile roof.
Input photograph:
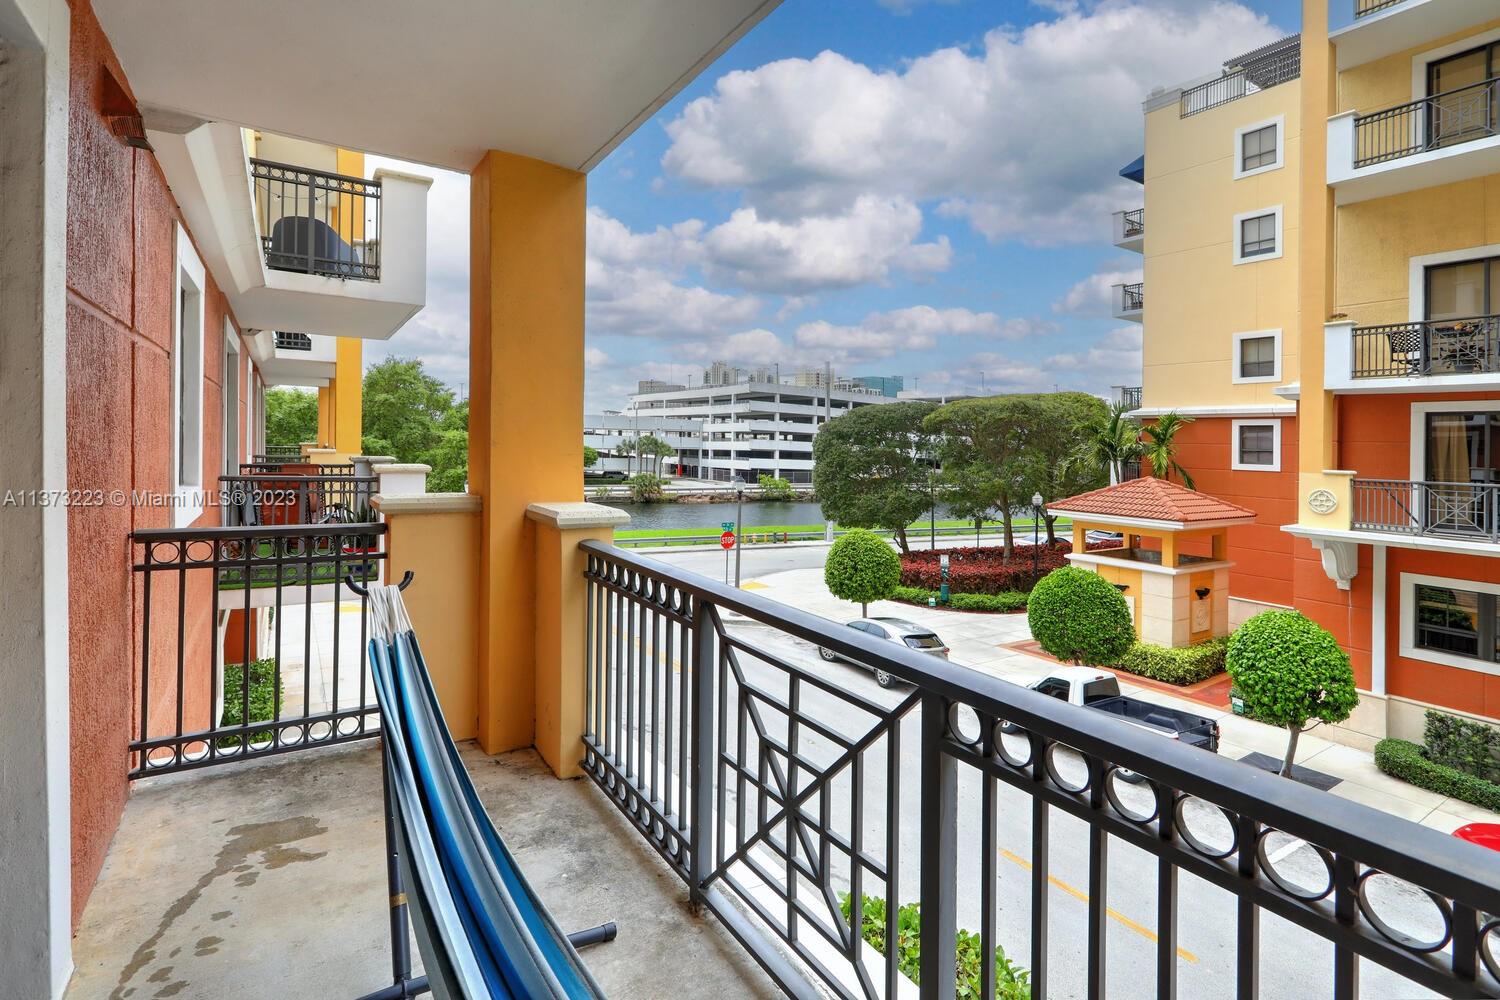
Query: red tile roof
(1152, 499)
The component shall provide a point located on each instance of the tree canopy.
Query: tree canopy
(413, 416)
(291, 416)
(871, 467)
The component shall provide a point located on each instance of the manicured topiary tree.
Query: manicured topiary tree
(1079, 616)
(862, 567)
(1290, 671)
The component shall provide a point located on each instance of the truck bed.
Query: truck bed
(1194, 730)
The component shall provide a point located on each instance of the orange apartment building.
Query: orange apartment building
(1320, 293)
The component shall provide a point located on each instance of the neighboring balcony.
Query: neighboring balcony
(1128, 302)
(1454, 355)
(1130, 230)
(1458, 511)
(1448, 137)
(289, 358)
(297, 248)
(1385, 27)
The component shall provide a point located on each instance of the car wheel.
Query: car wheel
(827, 654)
(884, 678)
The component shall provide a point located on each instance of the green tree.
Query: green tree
(291, 416)
(404, 410)
(1159, 446)
(654, 449)
(862, 567)
(1114, 440)
(1079, 616)
(870, 467)
(775, 488)
(590, 457)
(645, 488)
(1057, 461)
(1290, 671)
(984, 445)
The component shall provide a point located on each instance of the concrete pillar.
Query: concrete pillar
(35, 807)
(526, 280)
(348, 397)
(1315, 410)
(396, 479)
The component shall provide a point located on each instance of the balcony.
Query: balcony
(1448, 137)
(1130, 230)
(1385, 27)
(1271, 66)
(1128, 302)
(298, 248)
(287, 358)
(1464, 512)
(1457, 355)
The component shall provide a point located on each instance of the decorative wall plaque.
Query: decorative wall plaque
(1322, 501)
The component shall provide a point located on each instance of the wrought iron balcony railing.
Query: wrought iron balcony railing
(270, 496)
(800, 806)
(1447, 119)
(293, 341)
(1276, 68)
(1407, 507)
(1133, 297)
(1433, 348)
(1364, 7)
(1130, 397)
(279, 452)
(1135, 223)
(317, 222)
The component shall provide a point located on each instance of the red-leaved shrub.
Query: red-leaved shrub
(984, 570)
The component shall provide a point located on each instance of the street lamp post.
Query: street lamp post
(1036, 521)
(931, 512)
(739, 523)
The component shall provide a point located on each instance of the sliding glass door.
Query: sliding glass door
(1463, 92)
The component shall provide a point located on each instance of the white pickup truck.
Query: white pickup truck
(1091, 687)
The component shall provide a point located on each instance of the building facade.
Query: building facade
(1323, 266)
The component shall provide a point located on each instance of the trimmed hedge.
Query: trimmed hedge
(1077, 615)
(1007, 602)
(1187, 665)
(264, 682)
(985, 570)
(1465, 746)
(1012, 982)
(1407, 761)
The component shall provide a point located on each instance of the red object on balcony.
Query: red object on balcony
(293, 500)
(1483, 834)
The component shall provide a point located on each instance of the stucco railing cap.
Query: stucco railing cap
(381, 173)
(398, 467)
(373, 459)
(320, 451)
(427, 503)
(579, 514)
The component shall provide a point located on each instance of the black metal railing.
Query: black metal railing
(1363, 7)
(1277, 68)
(788, 792)
(1133, 297)
(278, 452)
(1130, 469)
(1134, 223)
(239, 643)
(286, 341)
(1435, 347)
(1447, 119)
(268, 497)
(1416, 507)
(317, 222)
(1130, 397)
(266, 465)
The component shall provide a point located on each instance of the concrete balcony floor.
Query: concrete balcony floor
(268, 879)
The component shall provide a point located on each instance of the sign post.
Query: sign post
(726, 542)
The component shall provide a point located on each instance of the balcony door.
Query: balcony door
(1462, 108)
(1462, 473)
(1461, 336)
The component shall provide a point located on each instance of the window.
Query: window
(1258, 147)
(1452, 622)
(231, 395)
(1257, 356)
(1463, 290)
(1257, 235)
(1256, 445)
(1463, 108)
(187, 380)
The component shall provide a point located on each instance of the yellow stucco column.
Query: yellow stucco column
(526, 232)
(436, 537)
(561, 605)
(325, 416)
(348, 397)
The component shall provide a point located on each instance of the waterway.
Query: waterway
(711, 516)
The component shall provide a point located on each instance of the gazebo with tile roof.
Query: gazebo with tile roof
(1172, 566)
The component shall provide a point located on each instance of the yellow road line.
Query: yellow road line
(1083, 897)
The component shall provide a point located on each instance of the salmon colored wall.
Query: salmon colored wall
(121, 259)
(1434, 683)
(1375, 431)
(1261, 551)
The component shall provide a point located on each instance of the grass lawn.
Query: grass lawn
(762, 529)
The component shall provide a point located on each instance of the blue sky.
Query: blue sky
(903, 187)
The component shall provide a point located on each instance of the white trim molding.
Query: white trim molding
(1248, 410)
(190, 283)
(1408, 605)
(1234, 446)
(1237, 339)
(1422, 60)
(1340, 560)
(1152, 523)
(1416, 275)
(1418, 434)
(1239, 147)
(1237, 238)
(1103, 558)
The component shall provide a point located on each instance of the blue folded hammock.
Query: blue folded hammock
(482, 932)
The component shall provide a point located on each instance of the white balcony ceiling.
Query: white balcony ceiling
(437, 82)
(1398, 28)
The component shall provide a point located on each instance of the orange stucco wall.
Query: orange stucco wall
(120, 277)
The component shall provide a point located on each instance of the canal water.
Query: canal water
(710, 516)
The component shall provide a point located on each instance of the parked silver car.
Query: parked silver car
(899, 631)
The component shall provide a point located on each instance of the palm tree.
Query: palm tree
(1159, 446)
(1114, 442)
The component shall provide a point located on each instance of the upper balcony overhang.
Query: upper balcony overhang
(1412, 167)
(1128, 302)
(1130, 230)
(1403, 25)
(209, 173)
(439, 82)
(282, 360)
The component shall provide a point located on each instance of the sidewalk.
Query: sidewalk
(982, 641)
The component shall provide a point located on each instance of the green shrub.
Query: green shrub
(1187, 665)
(264, 694)
(776, 488)
(1407, 761)
(862, 567)
(1011, 981)
(646, 488)
(1009, 601)
(1465, 746)
(1079, 616)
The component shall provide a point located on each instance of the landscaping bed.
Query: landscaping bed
(1459, 760)
(986, 570)
(1180, 666)
(1007, 603)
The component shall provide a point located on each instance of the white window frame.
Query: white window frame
(1239, 147)
(1416, 274)
(187, 348)
(1236, 339)
(1238, 237)
(1234, 445)
(1422, 60)
(1409, 647)
(229, 431)
(1418, 435)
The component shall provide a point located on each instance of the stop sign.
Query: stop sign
(726, 540)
